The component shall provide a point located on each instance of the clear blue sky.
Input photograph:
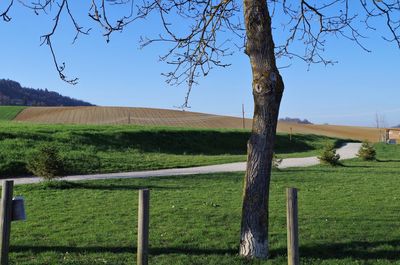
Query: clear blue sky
(120, 74)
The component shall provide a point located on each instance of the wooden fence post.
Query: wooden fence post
(5, 219)
(143, 227)
(292, 227)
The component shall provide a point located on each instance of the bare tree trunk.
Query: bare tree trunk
(267, 92)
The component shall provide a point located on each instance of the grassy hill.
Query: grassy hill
(347, 216)
(175, 118)
(114, 148)
(9, 112)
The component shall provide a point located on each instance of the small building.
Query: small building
(392, 135)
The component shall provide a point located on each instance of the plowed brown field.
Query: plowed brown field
(163, 117)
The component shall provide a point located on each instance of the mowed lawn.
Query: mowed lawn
(347, 215)
(8, 113)
(109, 148)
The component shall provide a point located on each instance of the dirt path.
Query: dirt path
(348, 151)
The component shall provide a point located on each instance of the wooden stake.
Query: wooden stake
(5, 219)
(292, 227)
(143, 227)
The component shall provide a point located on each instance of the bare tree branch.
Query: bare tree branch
(4, 14)
(313, 23)
(213, 25)
(199, 50)
(45, 6)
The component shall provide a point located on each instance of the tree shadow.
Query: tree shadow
(188, 141)
(64, 249)
(125, 249)
(308, 169)
(193, 251)
(361, 166)
(387, 160)
(356, 250)
(171, 141)
(66, 185)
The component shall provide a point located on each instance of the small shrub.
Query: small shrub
(329, 156)
(367, 152)
(46, 162)
(276, 161)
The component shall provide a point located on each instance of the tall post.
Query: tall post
(5, 219)
(290, 135)
(143, 227)
(292, 227)
(244, 121)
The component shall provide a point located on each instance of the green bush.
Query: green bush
(367, 152)
(329, 156)
(46, 162)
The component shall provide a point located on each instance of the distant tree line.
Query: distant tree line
(295, 120)
(12, 93)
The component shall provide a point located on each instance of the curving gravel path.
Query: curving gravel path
(347, 151)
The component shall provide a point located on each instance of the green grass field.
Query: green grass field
(8, 113)
(347, 215)
(102, 149)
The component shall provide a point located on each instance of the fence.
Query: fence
(13, 209)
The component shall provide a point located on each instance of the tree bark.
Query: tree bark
(267, 93)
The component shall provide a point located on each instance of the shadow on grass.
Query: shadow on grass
(178, 141)
(65, 185)
(193, 251)
(355, 250)
(387, 160)
(170, 141)
(126, 249)
(64, 249)
(361, 166)
(309, 170)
